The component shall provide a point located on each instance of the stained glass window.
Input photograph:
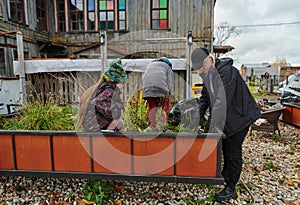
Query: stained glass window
(122, 14)
(159, 14)
(91, 15)
(107, 14)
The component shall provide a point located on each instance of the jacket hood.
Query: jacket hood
(223, 62)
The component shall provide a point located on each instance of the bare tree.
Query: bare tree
(225, 31)
(280, 61)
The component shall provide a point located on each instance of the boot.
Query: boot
(226, 194)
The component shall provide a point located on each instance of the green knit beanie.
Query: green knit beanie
(115, 72)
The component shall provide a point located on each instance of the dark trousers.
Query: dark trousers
(232, 153)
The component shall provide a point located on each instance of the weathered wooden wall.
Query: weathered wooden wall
(195, 15)
(67, 87)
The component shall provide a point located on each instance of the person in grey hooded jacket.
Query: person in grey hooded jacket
(158, 86)
(232, 111)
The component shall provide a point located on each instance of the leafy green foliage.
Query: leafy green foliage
(136, 114)
(37, 116)
(96, 191)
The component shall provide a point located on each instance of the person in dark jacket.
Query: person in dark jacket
(101, 107)
(232, 111)
(158, 86)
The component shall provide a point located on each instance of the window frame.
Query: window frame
(106, 11)
(152, 10)
(42, 11)
(77, 14)
(91, 11)
(18, 11)
(119, 10)
(60, 13)
(116, 22)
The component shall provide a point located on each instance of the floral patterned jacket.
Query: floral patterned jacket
(105, 105)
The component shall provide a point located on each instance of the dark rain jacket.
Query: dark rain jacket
(226, 94)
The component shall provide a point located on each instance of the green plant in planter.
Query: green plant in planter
(39, 116)
(136, 115)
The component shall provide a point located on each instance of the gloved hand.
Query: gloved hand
(202, 122)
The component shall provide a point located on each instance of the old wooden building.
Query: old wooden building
(133, 28)
(78, 30)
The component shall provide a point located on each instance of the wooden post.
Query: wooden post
(21, 66)
(103, 49)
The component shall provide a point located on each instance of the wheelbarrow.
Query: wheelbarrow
(271, 125)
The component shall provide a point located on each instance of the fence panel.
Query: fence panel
(67, 87)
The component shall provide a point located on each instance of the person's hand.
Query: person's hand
(203, 122)
(260, 121)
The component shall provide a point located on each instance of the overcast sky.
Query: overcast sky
(261, 44)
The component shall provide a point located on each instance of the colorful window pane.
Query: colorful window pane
(121, 4)
(91, 5)
(91, 15)
(102, 5)
(110, 5)
(107, 15)
(163, 24)
(163, 4)
(163, 14)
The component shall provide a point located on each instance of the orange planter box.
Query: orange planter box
(153, 156)
(111, 154)
(32, 152)
(70, 154)
(6, 152)
(171, 157)
(191, 162)
(291, 113)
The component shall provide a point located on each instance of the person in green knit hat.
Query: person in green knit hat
(101, 107)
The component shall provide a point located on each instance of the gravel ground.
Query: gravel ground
(271, 172)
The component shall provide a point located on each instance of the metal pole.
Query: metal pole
(103, 50)
(21, 66)
(189, 73)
